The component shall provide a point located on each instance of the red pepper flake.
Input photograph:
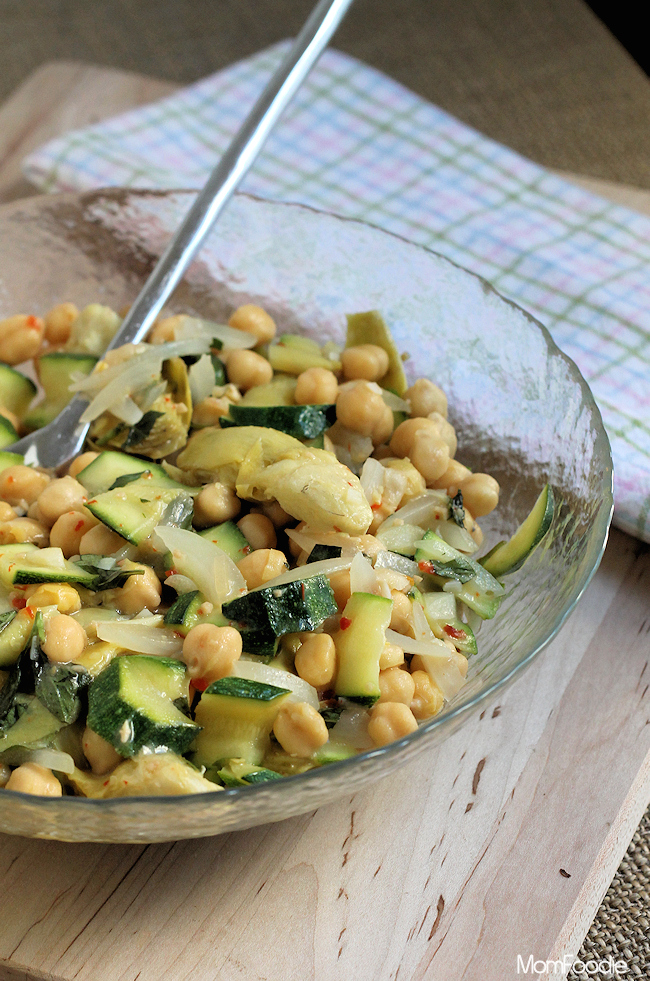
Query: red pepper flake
(345, 623)
(425, 565)
(19, 602)
(302, 590)
(105, 783)
(30, 612)
(454, 632)
(32, 322)
(200, 683)
(375, 507)
(336, 528)
(79, 525)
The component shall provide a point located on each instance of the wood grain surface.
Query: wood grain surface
(500, 842)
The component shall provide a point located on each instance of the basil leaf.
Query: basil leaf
(139, 432)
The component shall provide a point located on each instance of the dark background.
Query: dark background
(627, 23)
(546, 77)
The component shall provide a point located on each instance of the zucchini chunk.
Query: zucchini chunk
(239, 773)
(301, 421)
(279, 391)
(293, 354)
(186, 613)
(56, 372)
(229, 539)
(359, 644)
(10, 460)
(371, 328)
(479, 589)
(35, 723)
(8, 434)
(236, 716)
(132, 704)
(16, 390)
(104, 472)
(284, 609)
(509, 556)
(133, 511)
(26, 564)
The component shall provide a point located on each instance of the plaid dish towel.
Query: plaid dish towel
(359, 144)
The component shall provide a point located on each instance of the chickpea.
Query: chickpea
(391, 657)
(139, 592)
(340, 583)
(359, 408)
(10, 417)
(396, 685)
(100, 754)
(316, 659)
(445, 431)
(415, 483)
(64, 494)
(300, 729)
(262, 565)
(59, 321)
(214, 504)
(429, 454)
(7, 513)
(425, 397)
(316, 386)
(480, 493)
(68, 530)
(366, 361)
(258, 530)
(254, 320)
(427, 697)
(21, 337)
(210, 411)
(100, 540)
(401, 618)
(30, 778)
(275, 514)
(81, 462)
(65, 638)
(164, 330)
(390, 721)
(383, 428)
(23, 530)
(210, 652)
(22, 485)
(452, 478)
(246, 369)
(59, 594)
(404, 436)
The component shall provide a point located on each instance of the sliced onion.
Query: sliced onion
(394, 402)
(127, 411)
(439, 662)
(459, 538)
(440, 606)
(391, 560)
(352, 728)
(432, 505)
(114, 393)
(141, 637)
(372, 480)
(306, 539)
(421, 626)
(325, 567)
(214, 572)
(363, 578)
(194, 327)
(145, 355)
(51, 759)
(301, 691)
(201, 378)
(182, 584)
(400, 537)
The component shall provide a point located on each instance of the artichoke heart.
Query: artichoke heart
(153, 774)
(265, 465)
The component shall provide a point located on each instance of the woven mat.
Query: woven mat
(546, 79)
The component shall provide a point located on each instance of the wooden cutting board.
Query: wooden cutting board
(499, 843)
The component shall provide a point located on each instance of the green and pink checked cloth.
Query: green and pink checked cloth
(357, 143)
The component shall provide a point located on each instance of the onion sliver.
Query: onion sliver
(459, 538)
(363, 578)
(433, 504)
(352, 728)
(301, 691)
(140, 637)
(182, 584)
(439, 662)
(149, 355)
(201, 378)
(52, 759)
(325, 567)
(214, 572)
(391, 560)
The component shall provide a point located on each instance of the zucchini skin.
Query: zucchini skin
(284, 609)
(301, 421)
(507, 557)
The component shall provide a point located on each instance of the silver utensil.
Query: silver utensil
(62, 439)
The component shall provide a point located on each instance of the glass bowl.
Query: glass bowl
(521, 409)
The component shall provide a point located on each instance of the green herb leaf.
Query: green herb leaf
(6, 618)
(128, 478)
(59, 687)
(457, 510)
(139, 432)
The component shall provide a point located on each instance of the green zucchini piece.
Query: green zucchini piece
(284, 609)
(460, 634)
(229, 539)
(134, 511)
(359, 644)
(35, 724)
(480, 590)
(333, 752)
(260, 642)
(321, 552)
(132, 704)
(15, 631)
(186, 613)
(294, 354)
(16, 390)
(25, 564)
(8, 434)
(111, 465)
(10, 460)
(239, 773)
(236, 716)
(56, 372)
(371, 328)
(279, 391)
(301, 421)
(509, 556)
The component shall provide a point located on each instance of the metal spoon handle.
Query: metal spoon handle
(231, 169)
